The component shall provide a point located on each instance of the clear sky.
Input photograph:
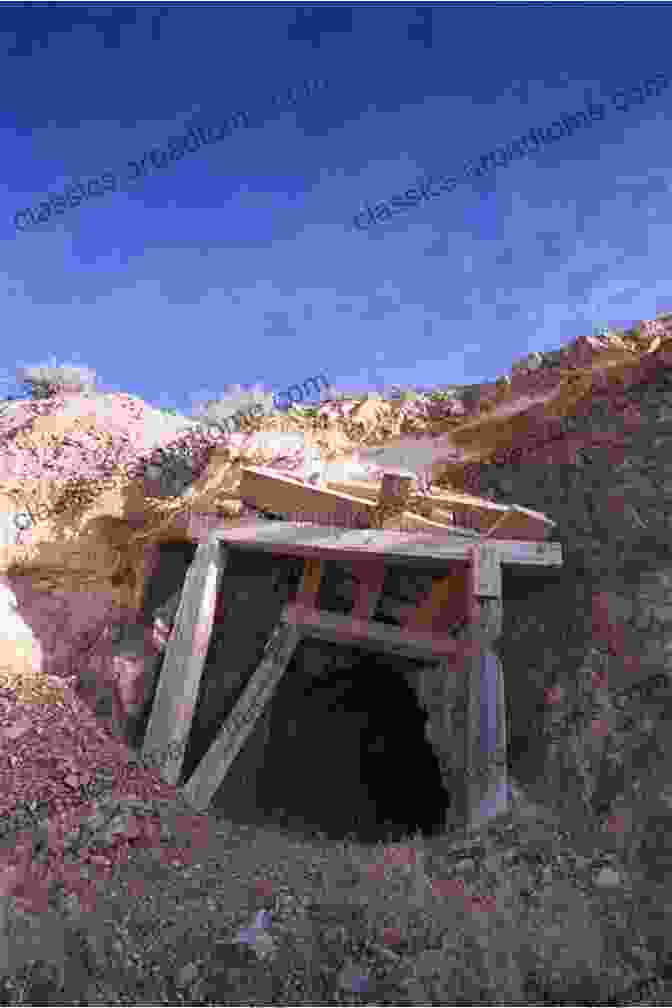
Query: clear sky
(239, 262)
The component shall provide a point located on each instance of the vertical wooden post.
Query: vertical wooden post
(472, 671)
(485, 752)
(177, 692)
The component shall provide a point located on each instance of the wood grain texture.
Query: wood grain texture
(310, 583)
(352, 631)
(177, 691)
(212, 769)
(291, 539)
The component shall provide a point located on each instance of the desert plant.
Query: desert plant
(406, 394)
(235, 401)
(44, 380)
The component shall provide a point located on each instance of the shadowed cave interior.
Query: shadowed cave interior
(345, 752)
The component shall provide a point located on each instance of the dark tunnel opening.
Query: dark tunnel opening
(347, 754)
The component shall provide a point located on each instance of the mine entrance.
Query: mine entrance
(346, 753)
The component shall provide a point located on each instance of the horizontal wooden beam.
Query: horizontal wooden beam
(339, 629)
(293, 539)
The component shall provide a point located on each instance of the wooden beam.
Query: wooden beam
(310, 582)
(395, 491)
(472, 668)
(408, 521)
(485, 741)
(177, 690)
(487, 571)
(290, 498)
(426, 614)
(370, 576)
(212, 769)
(444, 507)
(291, 539)
(363, 633)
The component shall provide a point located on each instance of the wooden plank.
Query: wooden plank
(408, 521)
(424, 616)
(352, 631)
(472, 668)
(290, 539)
(212, 769)
(485, 741)
(284, 496)
(177, 690)
(351, 503)
(447, 499)
(395, 491)
(310, 582)
(371, 576)
(488, 572)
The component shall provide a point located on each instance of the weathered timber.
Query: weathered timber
(371, 575)
(395, 491)
(212, 769)
(177, 690)
(366, 634)
(425, 616)
(449, 507)
(485, 736)
(284, 496)
(292, 539)
(310, 583)
(488, 572)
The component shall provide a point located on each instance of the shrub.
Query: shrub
(235, 401)
(44, 380)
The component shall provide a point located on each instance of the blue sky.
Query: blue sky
(240, 263)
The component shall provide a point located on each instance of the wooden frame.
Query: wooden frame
(423, 635)
(357, 504)
(177, 691)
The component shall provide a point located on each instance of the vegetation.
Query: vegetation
(235, 402)
(44, 380)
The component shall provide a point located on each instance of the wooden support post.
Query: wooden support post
(177, 690)
(485, 743)
(212, 769)
(371, 576)
(310, 583)
(435, 607)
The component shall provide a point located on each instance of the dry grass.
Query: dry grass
(352, 924)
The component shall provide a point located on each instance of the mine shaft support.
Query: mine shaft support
(461, 686)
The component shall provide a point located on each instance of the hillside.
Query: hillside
(97, 483)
